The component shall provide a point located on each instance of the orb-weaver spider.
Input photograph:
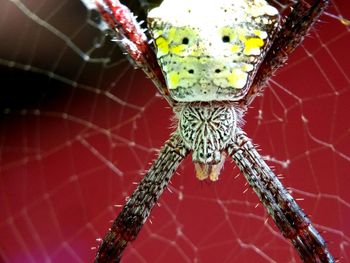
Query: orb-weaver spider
(211, 60)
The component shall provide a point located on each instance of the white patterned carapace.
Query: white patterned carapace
(210, 50)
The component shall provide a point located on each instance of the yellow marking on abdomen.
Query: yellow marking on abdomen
(253, 45)
(163, 46)
(173, 80)
(237, 79)
(235, 48)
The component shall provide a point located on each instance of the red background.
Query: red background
(75, 135)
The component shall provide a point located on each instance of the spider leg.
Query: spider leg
(135, 212)
(133, 41)
(288, 216)
(297, 25)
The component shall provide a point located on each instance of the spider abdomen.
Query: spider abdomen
(211, 58)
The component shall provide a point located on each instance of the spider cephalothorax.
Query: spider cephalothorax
(207, 130)
(211, 53)
(212, 58)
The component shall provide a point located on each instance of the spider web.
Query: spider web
(79, 126)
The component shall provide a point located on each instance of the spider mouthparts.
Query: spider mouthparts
(211, 171)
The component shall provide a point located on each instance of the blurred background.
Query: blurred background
(79, 126)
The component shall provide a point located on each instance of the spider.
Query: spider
(209, 61)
